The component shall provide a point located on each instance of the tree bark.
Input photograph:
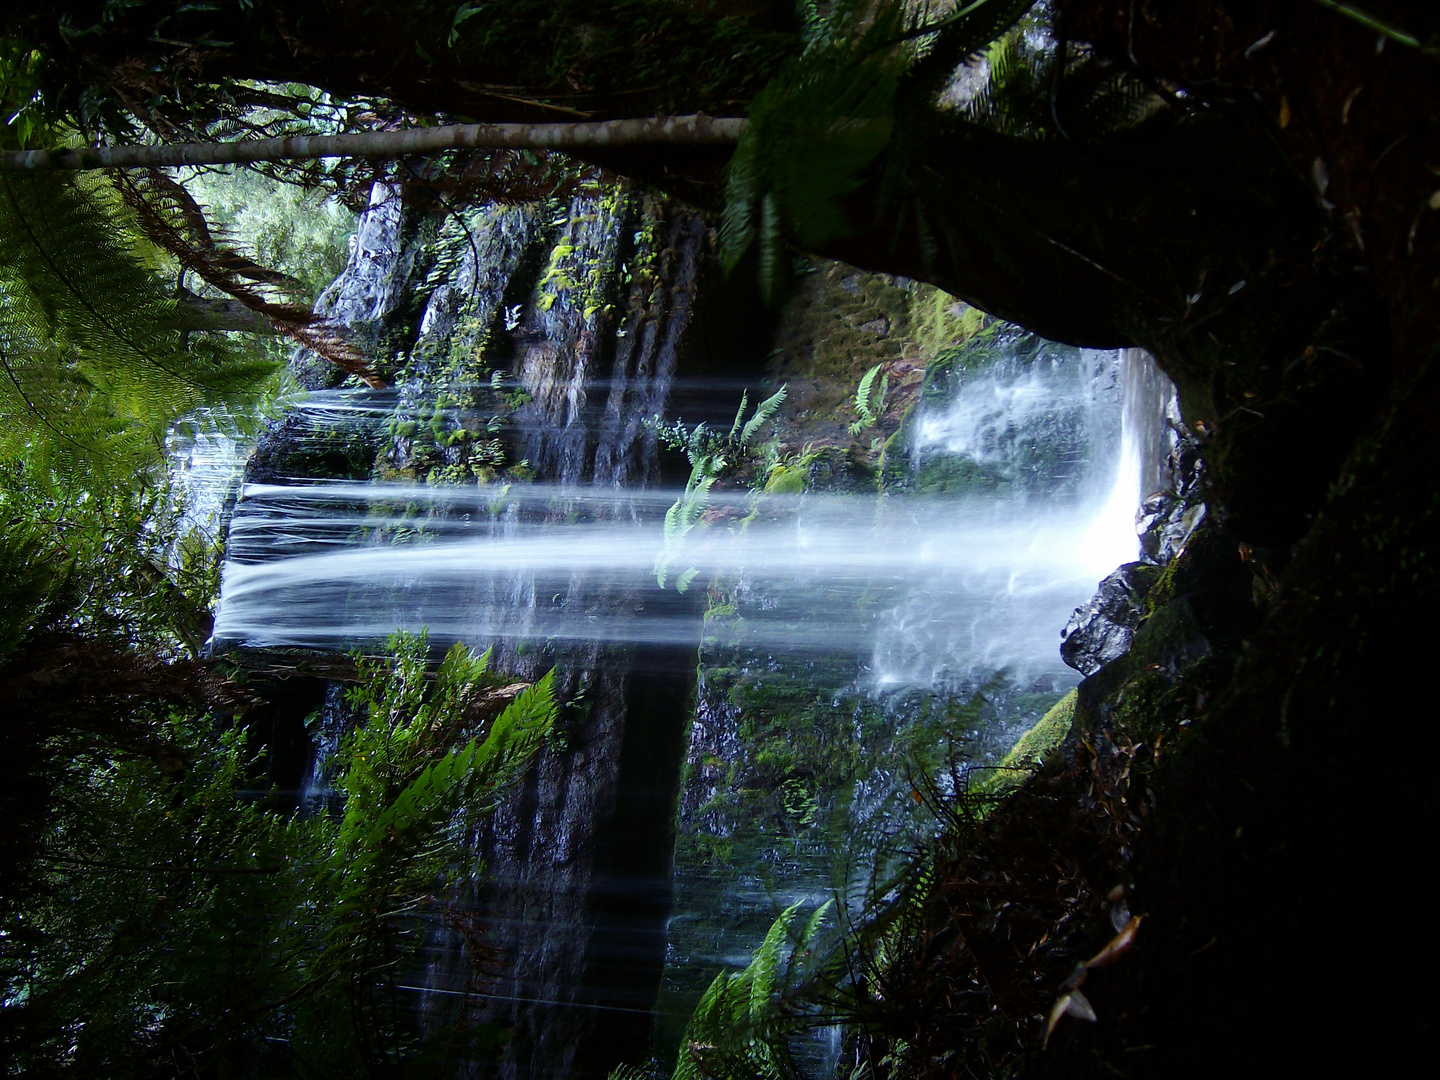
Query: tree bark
(696, 129)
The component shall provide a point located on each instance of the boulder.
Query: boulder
(1101, 631)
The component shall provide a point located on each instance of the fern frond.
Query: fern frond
(174, 220)
(819, 125)
(870, 404)
(862, 392)
(1022, 94)
(739, 1029)
(401, 792)
(740, 413)
(813, 130)
(764, 413)
(93, 371)
(974, 25)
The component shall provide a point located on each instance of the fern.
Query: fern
(821, 123)
(1024, 96)
(870, 400)
(741, 1029)
(403, 787)
(764, 413)
(92, 374)
(684, 514)
(173, 219)
(709, 454)
(813, 130)
(33, 574)
(268, 926)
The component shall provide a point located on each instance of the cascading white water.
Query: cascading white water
(927, 590)
(979, 581)
(1148, 404)
(418, 570)
(206, 460)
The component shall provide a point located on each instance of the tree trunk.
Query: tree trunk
(693, 130)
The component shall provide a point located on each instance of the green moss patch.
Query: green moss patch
(1029, 751)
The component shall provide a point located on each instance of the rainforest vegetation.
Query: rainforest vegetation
(1247, 189)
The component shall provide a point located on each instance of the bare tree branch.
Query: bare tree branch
(694, 130)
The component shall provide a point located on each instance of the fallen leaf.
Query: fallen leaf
(1073, 1003)
(1079, 1007)
(1119, 945)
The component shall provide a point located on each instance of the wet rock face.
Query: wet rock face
(1165, 523)
(371, 286)
(1100, 632)
(296, 446)
(1169, 517)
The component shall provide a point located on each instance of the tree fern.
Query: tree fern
(91, 372)
(1025, 96)
(173, 219)
(813, 129)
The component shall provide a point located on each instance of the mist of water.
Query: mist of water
(922, 584)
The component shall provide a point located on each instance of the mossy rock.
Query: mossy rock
(954, 474)
(785, 480)
(839, 471)
(1031, 750)
(1172, 638)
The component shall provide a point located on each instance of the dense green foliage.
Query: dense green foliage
(741, 1026)
(1006, 200)
(282, 226)
(819, 126)
(83, 561)
(178, 920)
(710, 453)
(94, 369)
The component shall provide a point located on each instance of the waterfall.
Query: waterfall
(206, 456)
(933, 614)
(996, 570)
(1014, 490)
(1145, 444)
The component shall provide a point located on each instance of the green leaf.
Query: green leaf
(463, 12)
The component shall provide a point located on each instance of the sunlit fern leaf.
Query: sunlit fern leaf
(740, 413)
(869, 407)
(401, 790)
(764, 413)
(92, 372)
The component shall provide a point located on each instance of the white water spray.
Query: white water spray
(924, 586)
